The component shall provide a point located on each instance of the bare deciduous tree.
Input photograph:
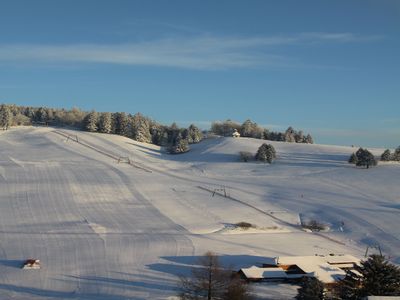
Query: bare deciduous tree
(212, 282)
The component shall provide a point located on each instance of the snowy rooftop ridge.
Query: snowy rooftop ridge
(327, 268)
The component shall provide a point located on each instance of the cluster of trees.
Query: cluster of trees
(363, 158)
(212, 281)
(265, 153)
(373, 277)
(253, 130)
(137, 127)
(388, 156)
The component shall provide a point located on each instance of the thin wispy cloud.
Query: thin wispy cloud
(205, 52)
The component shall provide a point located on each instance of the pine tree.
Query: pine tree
(41, 115)
(300, 137)
(375, 276)
(365, 158)
(105, 122)
(121, 124)
(353, 159)
(311, 289)
(6, 117)
(266, 153)
(143, 132)
(194, 134)
(180, 145)
(91, 121)
(396, 154)
(386, 155)
(309, 139)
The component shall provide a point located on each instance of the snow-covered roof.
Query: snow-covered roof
(331, 259)
(263, 273)
(326, 268)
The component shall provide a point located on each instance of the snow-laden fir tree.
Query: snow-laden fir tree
(266, 153)
(375, 276)
(194, 134)
(311, 289)
(91, 121)
(365, 158)
(396, 154)
(309, 139)
(180, 145)
(299, 137)
(140, 128)
(105, 122)
(386, 155)
(121, 123)
(353, 159)
(41, 115)
(6, 117)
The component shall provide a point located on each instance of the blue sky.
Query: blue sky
(331, 68)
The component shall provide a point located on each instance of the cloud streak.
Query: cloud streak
(202, 53)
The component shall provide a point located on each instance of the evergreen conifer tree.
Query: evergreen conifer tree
(266, 153)
(353, 159)
(396, 154)
(142, 132)
(373, 277)
(365, 158)
(180, 145)
(311, 289)
(386, 155)
(105, 122)
(194, 134)
(309, 139)
(91, 121)
(6, 117)
(121, 122)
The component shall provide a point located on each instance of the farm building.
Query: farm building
(235, 134)
(327, 268)
(31, 264)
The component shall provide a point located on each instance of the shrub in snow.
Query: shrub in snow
(314, 225)
(245, 156)
(244, 225)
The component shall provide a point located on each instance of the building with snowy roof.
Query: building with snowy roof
(327, 268)
(235, 134)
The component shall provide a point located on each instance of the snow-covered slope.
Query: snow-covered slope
(104, 230)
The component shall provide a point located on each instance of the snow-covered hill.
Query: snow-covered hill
(108, 230)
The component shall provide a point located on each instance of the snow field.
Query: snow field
(104, 230)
